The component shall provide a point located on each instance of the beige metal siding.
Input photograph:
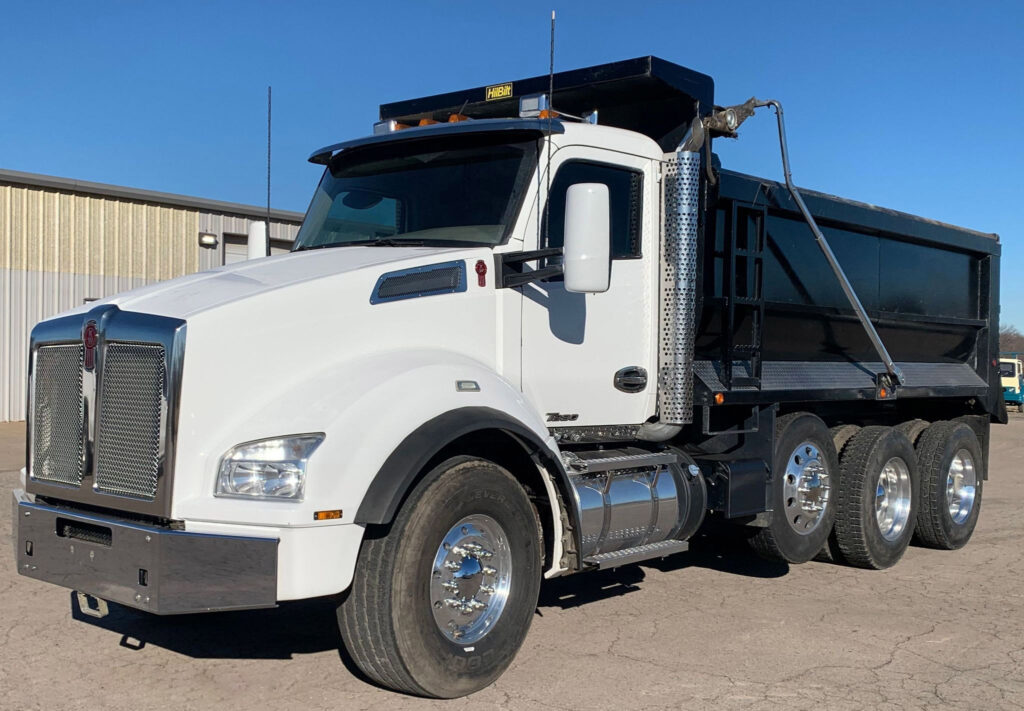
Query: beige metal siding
(222, 224)
(59, 248)
(49, 231)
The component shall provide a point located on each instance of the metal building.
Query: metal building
(64, 242)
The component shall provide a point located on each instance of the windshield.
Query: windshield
(457, 190)
(1006, 370)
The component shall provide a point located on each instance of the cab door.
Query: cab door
(590, 359)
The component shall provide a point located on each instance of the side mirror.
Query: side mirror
(586, 251)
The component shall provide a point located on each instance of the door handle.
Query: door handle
(631, 379)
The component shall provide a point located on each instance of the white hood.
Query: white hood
(189, 295)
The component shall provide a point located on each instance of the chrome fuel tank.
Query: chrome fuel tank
(630, 497)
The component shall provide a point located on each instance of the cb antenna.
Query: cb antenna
(550, 113)
(268, 171)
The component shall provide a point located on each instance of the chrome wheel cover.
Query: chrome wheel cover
(470, 579)
(892, 498)
(806, 488)
(961, 484)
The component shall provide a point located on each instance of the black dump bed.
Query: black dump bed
(774, 310)
(774, 323)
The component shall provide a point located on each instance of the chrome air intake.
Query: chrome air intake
(103, 391)
(630, 497)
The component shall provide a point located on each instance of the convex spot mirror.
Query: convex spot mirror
(586, 255)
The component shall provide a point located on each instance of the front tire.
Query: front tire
(878, 498)
(441, 603)
(805, 476)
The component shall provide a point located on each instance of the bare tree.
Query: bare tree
(1011, 339)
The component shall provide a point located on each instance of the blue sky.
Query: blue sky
(910, 105)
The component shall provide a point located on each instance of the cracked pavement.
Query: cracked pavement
(712, 628)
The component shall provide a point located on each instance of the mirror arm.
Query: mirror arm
(509, 267)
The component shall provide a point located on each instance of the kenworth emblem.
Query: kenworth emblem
(89, 341)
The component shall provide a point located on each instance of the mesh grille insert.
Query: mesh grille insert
(66, 528)
(130, 404)
(440, 280)
(58, 414)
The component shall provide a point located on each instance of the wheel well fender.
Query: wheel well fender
(487, 433)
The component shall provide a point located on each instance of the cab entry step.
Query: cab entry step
(613, 559)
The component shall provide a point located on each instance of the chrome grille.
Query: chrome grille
(58, 415)
(128, 447)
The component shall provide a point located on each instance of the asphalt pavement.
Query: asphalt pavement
(715, 627)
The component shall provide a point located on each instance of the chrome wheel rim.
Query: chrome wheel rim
(961, 484)
(806, 488)
(470, 579)
(892, 499)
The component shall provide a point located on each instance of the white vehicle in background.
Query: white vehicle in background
(527, 336)
(1011, 375)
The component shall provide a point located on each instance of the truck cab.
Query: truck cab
(529, 335)
(1011, 374)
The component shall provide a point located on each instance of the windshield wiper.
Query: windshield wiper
(381, 242)
(387, 242)
(307, 247)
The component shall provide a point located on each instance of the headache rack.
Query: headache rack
(648, 95)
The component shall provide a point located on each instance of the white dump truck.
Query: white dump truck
(522, 333)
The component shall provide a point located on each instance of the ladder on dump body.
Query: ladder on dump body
(743, 288)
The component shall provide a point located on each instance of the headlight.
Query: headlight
(267, 468)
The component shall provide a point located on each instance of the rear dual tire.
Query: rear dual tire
(878, 497)
(951, 463)
(805, 477)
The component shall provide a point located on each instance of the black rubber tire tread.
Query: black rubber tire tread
(830, 553)
(858, 538)
(841, 435)
(778, 541)
(367, 613)
(935, 527)
(913, 429)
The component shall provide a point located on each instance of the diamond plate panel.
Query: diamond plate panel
(58, 415)
(678, 289)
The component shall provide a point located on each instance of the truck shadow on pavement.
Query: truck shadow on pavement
(716, 546)
(310, 626)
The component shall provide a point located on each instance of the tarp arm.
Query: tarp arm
(725, 122)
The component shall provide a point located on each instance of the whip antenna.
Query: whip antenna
(550, 113)
(268, 171)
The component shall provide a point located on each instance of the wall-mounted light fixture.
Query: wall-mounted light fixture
(208, 240)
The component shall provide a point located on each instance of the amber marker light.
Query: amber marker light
(327, 515)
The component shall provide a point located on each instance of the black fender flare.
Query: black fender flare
(402, 469)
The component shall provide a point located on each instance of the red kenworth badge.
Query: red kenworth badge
(89, 341)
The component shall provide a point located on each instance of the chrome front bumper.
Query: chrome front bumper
(151, 568)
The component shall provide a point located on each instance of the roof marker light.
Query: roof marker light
(387, 126)
(532, 105)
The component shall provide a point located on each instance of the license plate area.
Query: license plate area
(160, 570)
